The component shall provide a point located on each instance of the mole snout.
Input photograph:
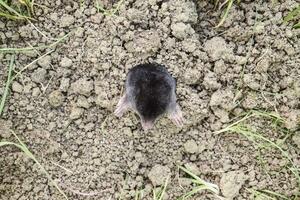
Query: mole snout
(150, 92)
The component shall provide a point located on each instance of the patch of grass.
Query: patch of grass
(3, 50)
(7, 85)
(21, 145)
(294, 16)
(25, 67)
(260, 141)
(17, 10)
(139, 195)
(228, 4)
(266, 195)
(11, 78)
(158, 195)
(108, 12)
(199, 185)
(27, 152)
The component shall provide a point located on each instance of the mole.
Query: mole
(150, 92)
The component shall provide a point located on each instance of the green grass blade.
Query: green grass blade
(192, 192)
(275, 194)
(292, 15)
(189, 173)
(24, 68)
(9, 16)
(7, 85)
(37, 47)
(229, 5)
(260, 137)
(161, 193)
(114, 10)
(200, 185)
(8, 8)
(24, 148)
(4, 143)
(206, 185)
(108, 12)
(214, 188)
(296, 26)
(267, 195)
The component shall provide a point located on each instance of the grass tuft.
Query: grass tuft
(27, 152)
(266, 195)
(200, 185)
(228, 4)
(17, 10)
(7, 85)
(160, 194)
(260, 141)
(108, 12)
(294, 16)
(3, 50)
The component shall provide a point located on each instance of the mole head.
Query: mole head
(150, 108)
(150, 91)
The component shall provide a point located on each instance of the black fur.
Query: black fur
(151, 89)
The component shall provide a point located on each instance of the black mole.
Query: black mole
(150, 91)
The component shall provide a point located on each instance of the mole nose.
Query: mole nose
(147, 125)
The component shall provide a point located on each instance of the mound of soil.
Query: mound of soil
(62, 105)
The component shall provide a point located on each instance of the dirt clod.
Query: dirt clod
(231, 183)
(17, 87)
(144, 42)
(191, 146)
(66, 62)
(251, 62)
(222, 98)
(83, 86)
(66, 20)
(216, 48)
(158, 174)
(76, 113)
(45, 62)
(39, 75)
(56, 98)
(64, 84)
(181, 30)
(296, 140)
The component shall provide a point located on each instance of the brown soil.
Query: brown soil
(62, 106)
